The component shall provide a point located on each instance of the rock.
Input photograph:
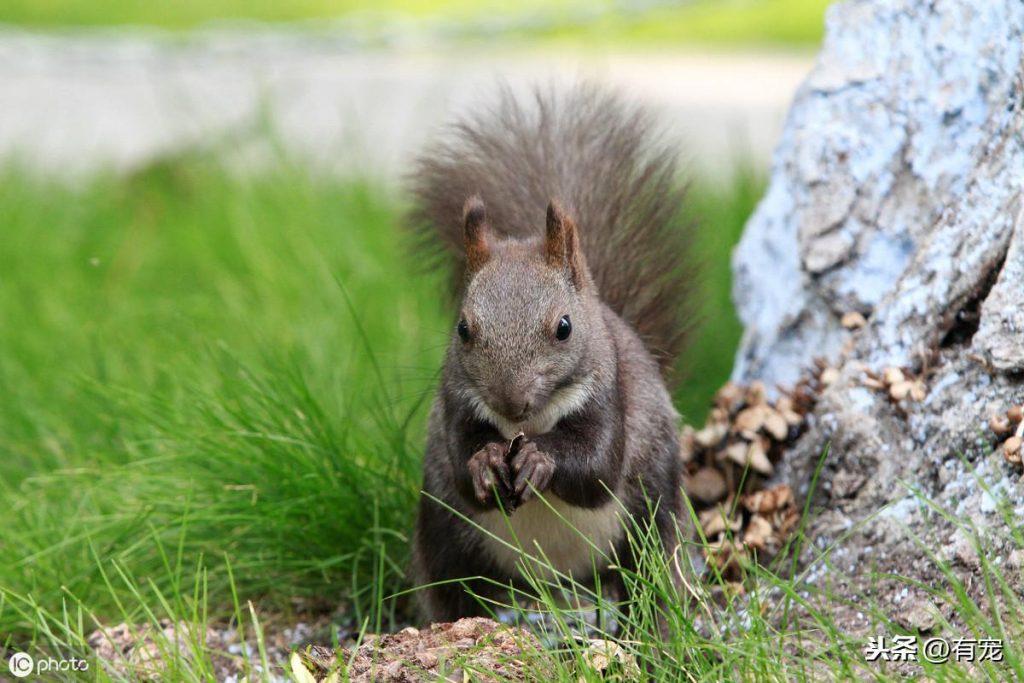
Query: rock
(896, 193)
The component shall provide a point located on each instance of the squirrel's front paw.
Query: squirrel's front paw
(533, 469)
(487, 467)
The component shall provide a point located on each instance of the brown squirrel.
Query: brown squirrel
(563, 336)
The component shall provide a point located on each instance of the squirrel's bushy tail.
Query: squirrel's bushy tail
(597, 155)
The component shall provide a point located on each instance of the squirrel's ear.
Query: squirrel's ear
(474, 216)
(562, 247)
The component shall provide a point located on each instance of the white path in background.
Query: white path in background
(74, 102)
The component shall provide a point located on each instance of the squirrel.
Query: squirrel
(561, 219)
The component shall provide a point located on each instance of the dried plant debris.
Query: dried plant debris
(1009, 428)
(899, 383)
(728, 462)
(757, 527)
(742, 439)
(476, 649)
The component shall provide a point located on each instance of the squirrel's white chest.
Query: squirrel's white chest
(573, 540)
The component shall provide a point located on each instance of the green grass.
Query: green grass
(726, 22)
(214, 402)
(234, 368)
(244, 360)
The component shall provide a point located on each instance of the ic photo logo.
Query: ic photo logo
(21, 664)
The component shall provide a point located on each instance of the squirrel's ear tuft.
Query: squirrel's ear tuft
(562, 247)
(474, 216)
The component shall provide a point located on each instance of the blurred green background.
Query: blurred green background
(203, 368)
(640, 22)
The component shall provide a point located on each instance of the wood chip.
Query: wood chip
(687, 444)
(893, 376)
(758, 532)
(706, 485)
(1012, 449)
(759, 459)
(610, 659)
(918, 392)
(711, 435)
(752, 454)
(873, 383)
(785, 407)
(829, 376)
(750, 419)
(729, 396)
(785, 521)
(715, 522)
(727, 556)
(757, 393)
(769, 500)
(776, 426)
(900, 390)
(1000, 425)
(854, 320)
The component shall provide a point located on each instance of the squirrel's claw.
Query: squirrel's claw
(534, 469)
(487, 467)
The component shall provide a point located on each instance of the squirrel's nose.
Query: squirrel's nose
(516, 407)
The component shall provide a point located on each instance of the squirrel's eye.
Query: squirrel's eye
(564, 329)
(463, 330)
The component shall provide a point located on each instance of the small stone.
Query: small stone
(846, 483)
(829, 376)
(964, 552)
(1015, 414)
(428, 660)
